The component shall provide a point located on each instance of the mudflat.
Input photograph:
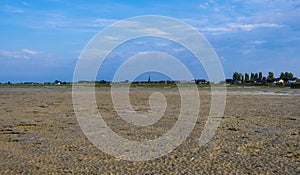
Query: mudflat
(259, 133)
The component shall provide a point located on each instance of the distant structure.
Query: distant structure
(149, 79)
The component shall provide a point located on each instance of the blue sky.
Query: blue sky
(42, 40)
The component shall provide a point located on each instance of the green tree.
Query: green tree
(282, 76)
(236, 76)
(270, 77)
(260, 75)
(286, 76)
(289, 75)
(247, 77)
(255, 76)
(57, 82)
(252, 77)
(243, 79)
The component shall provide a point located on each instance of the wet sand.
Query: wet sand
(259, 134)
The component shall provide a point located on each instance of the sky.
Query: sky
(42, 40)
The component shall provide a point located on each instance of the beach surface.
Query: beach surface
(259, 133)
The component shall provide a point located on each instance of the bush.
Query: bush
(295, 86)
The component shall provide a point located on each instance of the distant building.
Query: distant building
(293, 80)
(228, 81)
(201, 81)
(279, 81)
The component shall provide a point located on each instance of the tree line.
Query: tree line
(259, 77)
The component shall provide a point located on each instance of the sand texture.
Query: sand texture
(259, 134)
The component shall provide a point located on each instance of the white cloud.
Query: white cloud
(249, 27)
(154, 31)
(135, 26)
(24, 53)
(31, 52)
(111, 38)
(102, 22)
(25, 3)
(238, 26)
(257, 42)
(217, 29)
(12, 9)
(10, 54)
(127, 24)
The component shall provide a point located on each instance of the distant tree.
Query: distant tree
(228, 81)
(102, 82)
(243, 79)
(281, 75)
(255, 76)
(252, 77)
(286, 76)
(260, 75)
(247, 77)
(264, 80)
(236, 76)
(289, 75)
(57, 81)
(270, 77)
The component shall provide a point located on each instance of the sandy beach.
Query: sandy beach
(259, 133)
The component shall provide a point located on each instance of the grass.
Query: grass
(144, 85)
(255, 86)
